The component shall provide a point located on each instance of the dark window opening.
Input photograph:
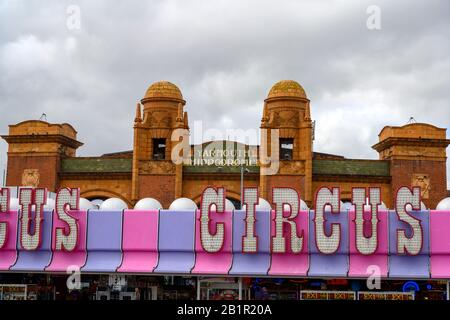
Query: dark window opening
(236, 203)
(286, 148)
(159, 149)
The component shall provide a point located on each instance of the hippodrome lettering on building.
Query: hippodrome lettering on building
(326, 242)
(43, 155)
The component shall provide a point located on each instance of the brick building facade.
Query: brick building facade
(44, 155)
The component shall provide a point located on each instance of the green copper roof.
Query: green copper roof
(352, 167)
(95, 165)
(320, 167)
(218, 170)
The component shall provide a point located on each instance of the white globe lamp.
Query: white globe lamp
(113, 204)
(148, 204)
(181, 204)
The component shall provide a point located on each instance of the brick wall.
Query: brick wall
(160, 187)
(48, 167)
(294, 182)
(194, 186)
(346, 189)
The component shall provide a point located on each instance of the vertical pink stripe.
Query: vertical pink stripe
(140, 241)
(8, 253)
(440, 244)
(62, 260)
(291, 263)
(219, 262)
(359, 263)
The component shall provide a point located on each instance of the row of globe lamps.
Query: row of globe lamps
(187, 204)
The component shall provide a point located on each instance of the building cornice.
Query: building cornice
(39, 138)
(389, 142)
(96, 175)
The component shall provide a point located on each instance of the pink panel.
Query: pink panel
(140, 241)
(290, 263)
(8, 253)
(219, 262)
(62, 260)
(360, 263)
(440, 244)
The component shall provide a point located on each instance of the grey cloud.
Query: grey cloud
(225, 56)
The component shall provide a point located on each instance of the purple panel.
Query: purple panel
(39, 259)
(104, 241)
(176, 241)
(251, 263)
(332, 265)
(405, 266)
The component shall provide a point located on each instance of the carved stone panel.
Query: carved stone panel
(422, 181)
(160, 119)
(30, 178)
(156, 167)
(283, 118)
(292, 167)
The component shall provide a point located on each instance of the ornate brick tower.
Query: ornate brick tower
(287, 109)
(417, 153)
(35, 151)
(154, 174)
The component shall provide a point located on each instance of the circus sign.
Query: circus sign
(330, 241)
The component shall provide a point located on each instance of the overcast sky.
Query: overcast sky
(225, 56)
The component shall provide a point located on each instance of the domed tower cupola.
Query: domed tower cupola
(158, 114)
(289, 89)
(286, 109)
(163, 112)
(162, 102)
